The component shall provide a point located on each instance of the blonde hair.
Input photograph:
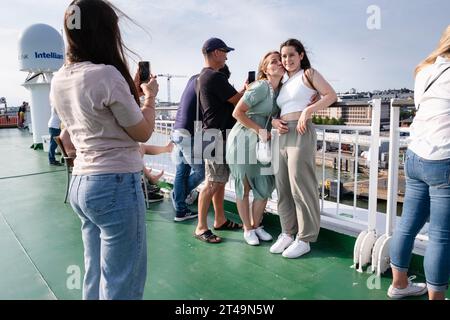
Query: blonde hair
(443, 49)
(263, 65)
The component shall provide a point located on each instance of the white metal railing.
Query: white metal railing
(324, 136)
(393, 178)
(380, 253)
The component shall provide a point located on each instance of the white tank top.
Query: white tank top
(294, 94)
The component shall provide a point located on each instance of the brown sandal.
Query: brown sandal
(208, 237)
(229, 225)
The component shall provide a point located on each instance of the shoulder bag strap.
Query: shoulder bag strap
(197, 93)
(271, 94)
(431, 83)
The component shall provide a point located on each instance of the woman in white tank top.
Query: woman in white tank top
(297, 186)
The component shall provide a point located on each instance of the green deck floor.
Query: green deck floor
(40, 241)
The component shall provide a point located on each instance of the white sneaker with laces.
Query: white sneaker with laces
(297, 249)
(251, 238)
(413, 289)
(262, 234)
(284, 241)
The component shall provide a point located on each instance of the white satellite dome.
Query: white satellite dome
(41, 49)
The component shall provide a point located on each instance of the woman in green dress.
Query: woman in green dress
(253, 113)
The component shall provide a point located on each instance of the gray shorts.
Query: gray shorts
(215, 172)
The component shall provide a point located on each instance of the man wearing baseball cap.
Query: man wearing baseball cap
(217, 97)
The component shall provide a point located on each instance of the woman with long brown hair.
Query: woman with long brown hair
(96, 99)
(296, 182)
(427, 170)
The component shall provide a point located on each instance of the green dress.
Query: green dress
(241, 143)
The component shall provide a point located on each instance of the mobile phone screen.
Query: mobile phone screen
(251, 76)
(144, 71)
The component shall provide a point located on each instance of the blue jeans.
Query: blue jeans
(112, 212)
(427, 197)
(188, 175)
(51, 152)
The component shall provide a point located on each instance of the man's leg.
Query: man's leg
(51, 152)
(204, 201)
(216, 177)
(219, 211)
(197, 174)
(180, 184)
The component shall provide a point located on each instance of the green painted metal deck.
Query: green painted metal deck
(40, 242)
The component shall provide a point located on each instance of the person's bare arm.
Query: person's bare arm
(328, 97)
(326, 91)
(67, 143)
(154, 150)
(240, 114)
(237, 97)
(142, 131)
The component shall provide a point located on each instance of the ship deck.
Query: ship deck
(41, 248)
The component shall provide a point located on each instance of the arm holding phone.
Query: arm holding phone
(142, 131)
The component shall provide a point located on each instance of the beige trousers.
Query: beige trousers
(296, 182)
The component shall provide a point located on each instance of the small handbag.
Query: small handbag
(264, 149)
(264, 152)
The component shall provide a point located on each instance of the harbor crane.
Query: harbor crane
(169, 76)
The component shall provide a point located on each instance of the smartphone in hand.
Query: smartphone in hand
(251, 76)
(144, 71)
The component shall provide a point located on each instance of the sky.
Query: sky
(366, 45)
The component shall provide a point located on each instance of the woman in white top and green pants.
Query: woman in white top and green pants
(297, 186)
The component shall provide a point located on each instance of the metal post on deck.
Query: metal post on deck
(324, 146)
(394, 139)
(338, 192)
(374, 155)
(362, 252)
(380, 255)
(355, 187)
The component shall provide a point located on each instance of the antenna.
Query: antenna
(169, 76)
(41, 52)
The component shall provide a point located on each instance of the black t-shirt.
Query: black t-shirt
(214, 92)
(187, 110)
(231, 121)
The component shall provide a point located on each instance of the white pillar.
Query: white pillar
(39, 88)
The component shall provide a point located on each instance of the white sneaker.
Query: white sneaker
(251, 237)
(413, 289)
(262, 234)
(284, 241)
(190, 199)
(296, 249)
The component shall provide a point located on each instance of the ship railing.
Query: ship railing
(380, 260)
(396, 160)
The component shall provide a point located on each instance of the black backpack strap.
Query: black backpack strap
(431, 83)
